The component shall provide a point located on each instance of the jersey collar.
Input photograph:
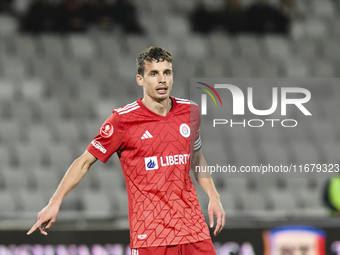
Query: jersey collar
(149, 112)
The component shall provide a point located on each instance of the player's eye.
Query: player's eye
(168, 73)
(153, 73)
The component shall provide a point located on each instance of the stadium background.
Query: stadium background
(55, 90)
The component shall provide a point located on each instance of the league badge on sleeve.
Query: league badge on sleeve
(106, 130)
(184, 129)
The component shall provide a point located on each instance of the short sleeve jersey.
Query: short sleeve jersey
(155, 152)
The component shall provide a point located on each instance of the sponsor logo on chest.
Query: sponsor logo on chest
(151, 163)
(180, 159)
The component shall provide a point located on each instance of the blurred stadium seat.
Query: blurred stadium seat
(97, 204)
(8, 25)
(31, 202)
(8, 208)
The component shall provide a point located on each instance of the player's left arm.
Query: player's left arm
(215, 207)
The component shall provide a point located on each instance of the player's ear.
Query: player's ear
(139, 79)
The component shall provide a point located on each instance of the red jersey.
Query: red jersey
(155, 153)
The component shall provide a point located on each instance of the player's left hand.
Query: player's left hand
(215, 208)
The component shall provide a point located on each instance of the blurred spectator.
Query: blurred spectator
(289, 9)
(74, 16)
(233, 17)
(263, 18)
(204, 18)
(105, 14)
(5, 5)
(77, 15)
(42, 16)
(126, 15)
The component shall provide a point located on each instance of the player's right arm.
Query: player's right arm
(48, 215)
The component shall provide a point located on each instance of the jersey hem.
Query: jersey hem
(158, 244)
(94, 155)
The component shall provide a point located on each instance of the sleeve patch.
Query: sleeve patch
(106, 130)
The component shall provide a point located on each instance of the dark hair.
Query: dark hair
(153, 53)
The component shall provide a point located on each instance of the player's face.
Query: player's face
(157, 80)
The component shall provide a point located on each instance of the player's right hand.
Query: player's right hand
(46, 217)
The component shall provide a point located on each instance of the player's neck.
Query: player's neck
(158, 107)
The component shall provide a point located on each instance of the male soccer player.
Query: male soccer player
(157, 141)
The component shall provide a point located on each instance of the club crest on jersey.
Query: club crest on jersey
(106, 130)
(151, 163)
(184, 129)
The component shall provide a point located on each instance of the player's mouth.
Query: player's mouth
(162, 90)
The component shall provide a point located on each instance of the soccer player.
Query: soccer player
(157, 141)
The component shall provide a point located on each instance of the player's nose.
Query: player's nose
(162, 78)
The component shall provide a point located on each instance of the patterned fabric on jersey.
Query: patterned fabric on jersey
(155, 152)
